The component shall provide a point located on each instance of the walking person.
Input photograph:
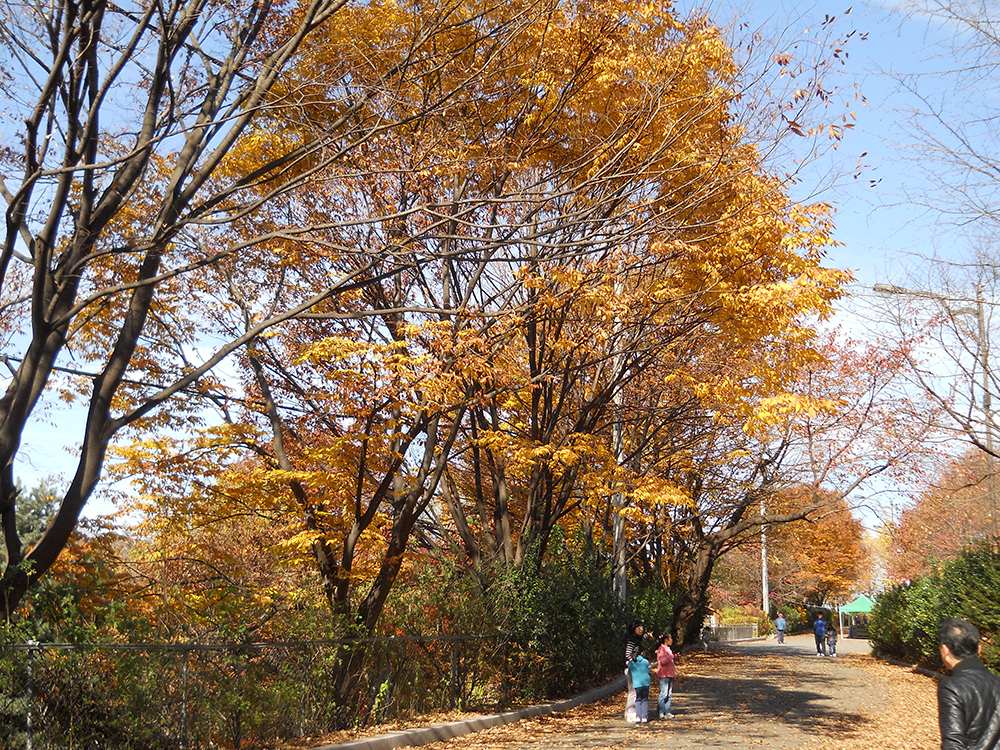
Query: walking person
(781, 625)
(831, 640)
(666, 670)
(633, 648)
(819, 628)
(969, 700)
(639, 673)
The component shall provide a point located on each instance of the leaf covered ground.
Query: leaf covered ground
(748, 696)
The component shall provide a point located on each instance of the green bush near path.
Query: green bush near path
(905, 618)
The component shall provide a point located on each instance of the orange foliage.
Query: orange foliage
(958, 509)
(619, 302)
(823, 560)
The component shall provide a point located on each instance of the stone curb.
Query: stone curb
(439, 732)
(915, 667)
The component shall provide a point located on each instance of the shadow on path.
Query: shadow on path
(757, 694)
(742, 695)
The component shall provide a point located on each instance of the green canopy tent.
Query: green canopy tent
(860, 606)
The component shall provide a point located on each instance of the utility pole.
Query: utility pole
(765, 588)
(984, 353)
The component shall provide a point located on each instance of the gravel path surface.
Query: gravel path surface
(754, 694)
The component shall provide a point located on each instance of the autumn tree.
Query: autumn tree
(955, 511)
(587, 213)
(820, 561)
(357, 404)
(202, 577)
(943, 306)
(943, 319)
(133, 210)
(712, 267)
(508, 176)
(841, 420)
(114, 186)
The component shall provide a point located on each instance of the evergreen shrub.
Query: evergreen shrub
(566, 627)
(905, 619)
(654, 606)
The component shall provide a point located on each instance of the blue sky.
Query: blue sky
(877, 227)
(885, 237)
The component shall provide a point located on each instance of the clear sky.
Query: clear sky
(896, 216)
(885, 236)
(876, 224)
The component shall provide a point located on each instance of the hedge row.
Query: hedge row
(905, 619)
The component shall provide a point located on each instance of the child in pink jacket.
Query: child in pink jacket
(666, 671)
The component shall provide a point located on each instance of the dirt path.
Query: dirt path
(756, 694)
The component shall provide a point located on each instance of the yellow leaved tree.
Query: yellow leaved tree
(568, 283)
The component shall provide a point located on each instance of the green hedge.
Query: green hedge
(565, 625)
(905, 619)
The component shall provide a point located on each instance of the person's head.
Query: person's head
(634, 629)
(665, 638)
(959, 640)
(819, 616)
(780, 615)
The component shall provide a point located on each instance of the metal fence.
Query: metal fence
(735, 632)
(242, 696)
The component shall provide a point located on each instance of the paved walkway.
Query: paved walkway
(752, 694)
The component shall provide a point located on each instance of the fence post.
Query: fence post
(184, 698)
(507, 676)
(304, 679)
(454, 673)
(32, 645)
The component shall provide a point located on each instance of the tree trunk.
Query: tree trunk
(689, 615)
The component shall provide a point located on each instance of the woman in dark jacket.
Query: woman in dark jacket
(633, 648)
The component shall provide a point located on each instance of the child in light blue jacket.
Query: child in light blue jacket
(639, 670)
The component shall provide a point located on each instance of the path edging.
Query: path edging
(439, 732)
(915, 667)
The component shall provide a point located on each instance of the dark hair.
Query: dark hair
(662, 638)
(630, 631)
(961, 637)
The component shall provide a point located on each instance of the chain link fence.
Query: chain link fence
(242, 696)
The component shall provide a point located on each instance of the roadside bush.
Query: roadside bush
(797, 618)
(565, 625)
(436, 594)
(905, 619)
(970, 589)
(654, 606)
(751, 614)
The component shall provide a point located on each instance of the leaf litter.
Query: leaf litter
(729, 699)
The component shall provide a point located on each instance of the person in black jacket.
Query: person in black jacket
(633, 648)
(968, 701)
